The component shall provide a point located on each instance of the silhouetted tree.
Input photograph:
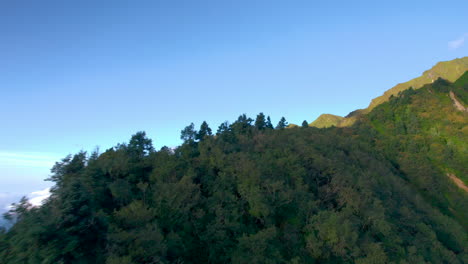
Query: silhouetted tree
(224, 127)
(140, 145)
(242, 124)
(204, 131)
(188, 134)
(260, 122)
(268, 123)
(282, 123)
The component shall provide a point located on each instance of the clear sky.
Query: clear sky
(79, 74)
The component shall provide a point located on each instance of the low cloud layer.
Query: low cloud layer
(36, 198)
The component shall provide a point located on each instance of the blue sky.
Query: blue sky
(79, 74)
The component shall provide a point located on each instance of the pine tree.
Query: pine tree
(224, 127)
(260, 122)
(268, 123)
(282, 123)
(242, 125)
(189, 133)
(305, 124)
(140, 145)
(204, 131)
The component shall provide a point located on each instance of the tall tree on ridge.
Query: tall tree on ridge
(188, 134)
(260, 122)
(204, 131)
(268, 123)
(282, 123)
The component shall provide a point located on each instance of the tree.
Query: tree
(260, 122)
(204, 131)
(268, 123)
(282, 123)
(18, 210)
(188, 134)
(224, 127)
(242, 125)
(305, 124)
(139, 145)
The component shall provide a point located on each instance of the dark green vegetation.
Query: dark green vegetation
(376, 192)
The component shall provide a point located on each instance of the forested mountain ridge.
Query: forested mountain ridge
(374, 192)
(448, 70)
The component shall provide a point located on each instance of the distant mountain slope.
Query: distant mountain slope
(448, 70)
(326, 120)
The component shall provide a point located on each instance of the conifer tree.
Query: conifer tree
(224, 127)
(282, 123)
(189, 133)
(260, 122)
(204, 131)
(268, 123)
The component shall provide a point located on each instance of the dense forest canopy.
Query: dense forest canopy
(252, 192)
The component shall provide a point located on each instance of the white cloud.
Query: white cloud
(28, 159)
(37, 198)
(455, 44)
(46, 191)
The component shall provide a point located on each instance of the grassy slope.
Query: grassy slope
(326, 120)
(448, 70)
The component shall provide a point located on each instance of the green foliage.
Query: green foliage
(188, 134)
(425, 134)
(140, 145)
(260, 122)
(204, 131)
(268, 123)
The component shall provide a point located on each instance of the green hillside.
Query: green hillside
(448, 70)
